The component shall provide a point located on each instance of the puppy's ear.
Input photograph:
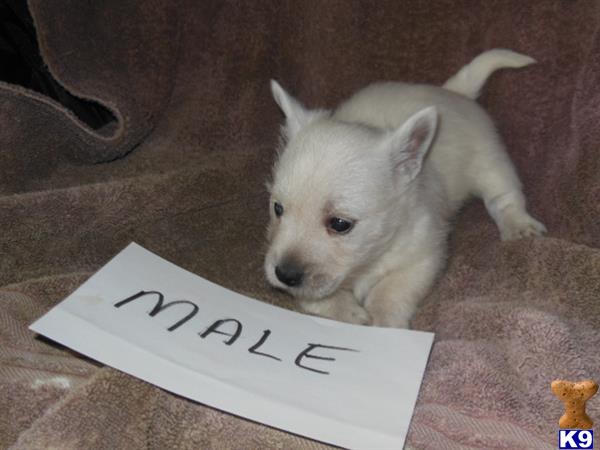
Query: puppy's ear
(408, 144)
(296, 115)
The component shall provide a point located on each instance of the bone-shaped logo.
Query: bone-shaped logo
(574, 396)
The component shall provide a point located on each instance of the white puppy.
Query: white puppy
(361, 196)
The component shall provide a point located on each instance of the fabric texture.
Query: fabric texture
(181, 171)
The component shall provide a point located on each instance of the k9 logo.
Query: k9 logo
(569, 439)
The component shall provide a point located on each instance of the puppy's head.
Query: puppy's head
(334, 195)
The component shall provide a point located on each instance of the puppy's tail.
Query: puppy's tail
(470, 79)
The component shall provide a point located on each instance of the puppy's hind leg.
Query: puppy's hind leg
(497, 183)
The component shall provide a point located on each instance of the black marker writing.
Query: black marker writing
(306, 354)
(159, 306)
(214, 328)
(232, 329)
(260, 342)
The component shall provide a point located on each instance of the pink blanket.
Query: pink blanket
(194, 134)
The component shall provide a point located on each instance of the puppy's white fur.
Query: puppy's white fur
(396, 160)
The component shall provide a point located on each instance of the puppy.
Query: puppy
(361, 197)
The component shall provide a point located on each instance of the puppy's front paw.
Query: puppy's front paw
(518, 225)
(357, 315)
(391, 321)
(341, 306)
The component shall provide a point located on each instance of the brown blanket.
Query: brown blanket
(194, 133)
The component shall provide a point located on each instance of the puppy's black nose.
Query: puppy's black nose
(289, 274)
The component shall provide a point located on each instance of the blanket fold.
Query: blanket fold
(121, 55)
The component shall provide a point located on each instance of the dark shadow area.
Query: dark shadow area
(21, 64)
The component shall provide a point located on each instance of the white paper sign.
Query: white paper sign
(347, 385)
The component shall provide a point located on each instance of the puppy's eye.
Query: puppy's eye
(340, 226)
(278, 209)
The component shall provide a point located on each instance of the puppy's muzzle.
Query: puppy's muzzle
(289, 274)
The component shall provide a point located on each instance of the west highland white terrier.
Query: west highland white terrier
(361, 196)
